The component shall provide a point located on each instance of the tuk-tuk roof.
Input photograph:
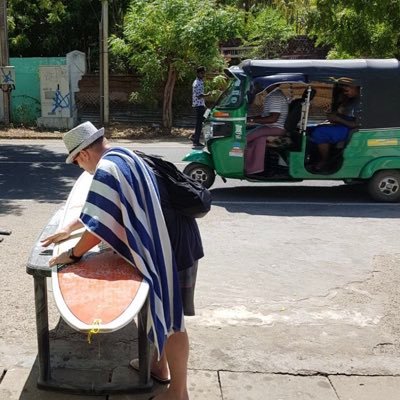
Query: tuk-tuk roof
(378, 78)
(320, 69)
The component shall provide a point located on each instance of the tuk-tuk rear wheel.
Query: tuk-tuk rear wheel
(201, 173)
(385, 186)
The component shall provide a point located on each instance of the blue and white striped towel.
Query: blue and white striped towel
(123, 209)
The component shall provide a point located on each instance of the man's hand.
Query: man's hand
(59, 236)
(62, 234)
(63, 258)
(332, 117)
(252, 120)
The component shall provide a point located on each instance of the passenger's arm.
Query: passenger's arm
(335, 119)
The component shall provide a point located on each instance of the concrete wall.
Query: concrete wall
(25, 99)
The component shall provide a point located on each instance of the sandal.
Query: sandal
(135, 365)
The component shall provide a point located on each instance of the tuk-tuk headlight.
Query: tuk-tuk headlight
(207, 131)
(219, 129)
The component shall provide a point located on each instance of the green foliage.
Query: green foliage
(294, 11)
(162, 35)
(268, 32)
(55, 27)
(358, 28)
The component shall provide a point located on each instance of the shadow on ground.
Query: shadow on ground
(303, 201)
(33, 173)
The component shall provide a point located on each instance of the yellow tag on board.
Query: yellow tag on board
(95, 330)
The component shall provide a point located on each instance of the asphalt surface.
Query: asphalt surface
(297, 297)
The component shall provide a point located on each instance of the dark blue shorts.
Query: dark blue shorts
(329, 134)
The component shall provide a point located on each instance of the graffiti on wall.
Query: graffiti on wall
(54, 91)
(60, 101)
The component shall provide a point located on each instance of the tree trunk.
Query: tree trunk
(167, 100)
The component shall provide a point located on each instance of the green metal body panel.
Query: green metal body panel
(378, 165)
(201, 157)
(367, 152)
(25, 99)
(228, 153)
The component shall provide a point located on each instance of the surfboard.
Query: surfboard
(102, 292)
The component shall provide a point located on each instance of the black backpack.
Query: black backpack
(187, 196)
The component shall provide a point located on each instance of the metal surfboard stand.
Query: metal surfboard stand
(75, 382)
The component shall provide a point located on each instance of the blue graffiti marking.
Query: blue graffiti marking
(60, 101)
(7, 79)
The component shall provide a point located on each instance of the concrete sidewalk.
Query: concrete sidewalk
(106, 360)
(20, 384)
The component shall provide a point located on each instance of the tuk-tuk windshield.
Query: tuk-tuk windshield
(232, 96)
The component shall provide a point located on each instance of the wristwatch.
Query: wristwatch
(72, 256)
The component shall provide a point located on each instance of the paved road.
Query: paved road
(298, 280)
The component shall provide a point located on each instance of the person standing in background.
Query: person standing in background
(199, 105)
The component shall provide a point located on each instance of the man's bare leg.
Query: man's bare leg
(323, 150)
(177, 354)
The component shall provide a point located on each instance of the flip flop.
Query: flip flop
(135, 365)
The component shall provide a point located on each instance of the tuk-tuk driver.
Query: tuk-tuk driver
(338, 124)
(275, 111)
(273, 117)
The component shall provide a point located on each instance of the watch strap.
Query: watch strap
(72, 256)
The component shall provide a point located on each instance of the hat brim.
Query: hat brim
(83, 145)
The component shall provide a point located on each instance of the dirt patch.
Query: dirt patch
(119, 131)
(113, 131)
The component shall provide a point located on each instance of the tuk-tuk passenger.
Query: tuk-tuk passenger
(273, 119)
(339, 123)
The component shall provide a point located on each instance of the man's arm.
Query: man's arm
(335, 119)
(62, 234)
(199, 91)
(201, 96)
(269, 119)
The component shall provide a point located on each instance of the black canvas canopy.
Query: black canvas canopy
(378, 78)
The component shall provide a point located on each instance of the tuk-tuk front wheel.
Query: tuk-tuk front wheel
(201, 173)
(385, 186)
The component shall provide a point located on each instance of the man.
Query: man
(199, 105)
(274, 113)
(123, 209)
(339, 123)
(272, 120)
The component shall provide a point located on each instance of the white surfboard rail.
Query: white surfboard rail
(72, 211)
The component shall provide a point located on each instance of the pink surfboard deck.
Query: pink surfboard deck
(102, 291)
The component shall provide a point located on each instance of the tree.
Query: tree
(55, 27)
(357, 28)
(294, 11)
(165, 40)
(268, 32)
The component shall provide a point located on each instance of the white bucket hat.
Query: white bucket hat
(79, 138)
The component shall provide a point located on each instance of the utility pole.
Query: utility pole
(4, 56)
(104, 77)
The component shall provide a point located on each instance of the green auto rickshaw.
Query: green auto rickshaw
(370, 154)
